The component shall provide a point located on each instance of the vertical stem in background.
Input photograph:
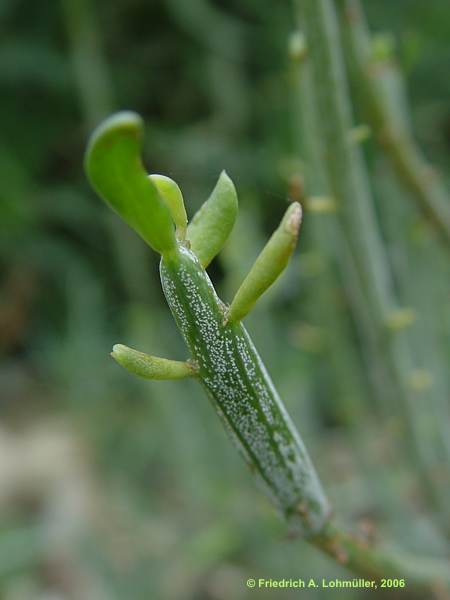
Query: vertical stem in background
(328, 239)
(343, 164)
(96, 98)
(406, 158)
(348, 390)
(91, 73)
(343, 354)
(342, 160)
(423, 276)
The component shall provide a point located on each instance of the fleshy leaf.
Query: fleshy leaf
(269, 265)
(114, 168)
(172, 196)
(213, 222)
(151, 367)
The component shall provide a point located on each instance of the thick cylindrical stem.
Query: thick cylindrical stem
(242, 393)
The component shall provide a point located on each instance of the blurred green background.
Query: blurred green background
(115, 488)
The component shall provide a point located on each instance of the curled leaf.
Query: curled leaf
(114, 167)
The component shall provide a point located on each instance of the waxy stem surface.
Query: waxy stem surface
(242, 392)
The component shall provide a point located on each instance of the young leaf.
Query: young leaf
(114, 168)
(269, 265)
(212, 224)
(151, 367)
(172, 196)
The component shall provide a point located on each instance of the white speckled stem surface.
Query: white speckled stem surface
(243, 394)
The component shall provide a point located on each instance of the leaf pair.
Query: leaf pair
(153, 204)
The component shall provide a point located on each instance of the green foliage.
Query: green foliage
(222, 354)
(110, 486)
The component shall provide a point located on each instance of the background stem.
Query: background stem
(342, 162)
(407, 160)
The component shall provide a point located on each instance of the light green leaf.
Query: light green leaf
(114, 168)
(172, 196)
(212, 224)
(151, 367)
(269, 265)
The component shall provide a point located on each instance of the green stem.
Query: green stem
(406, 158)
(339, 262)
(94, 89)
(243, 394)
(421, 575)
(342, 161)
(89, 66)
(226, 362)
